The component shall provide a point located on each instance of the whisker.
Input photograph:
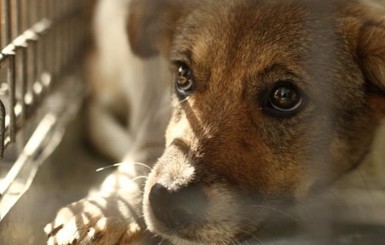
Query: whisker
(302, 205)
(253, 236)
(278, 211)
(139, 177)
(142, 164)
(123, 163)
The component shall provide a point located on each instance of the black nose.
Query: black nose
(177, 208)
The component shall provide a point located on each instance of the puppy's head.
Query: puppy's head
(272, 100)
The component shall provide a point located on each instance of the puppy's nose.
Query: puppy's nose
(177, 208)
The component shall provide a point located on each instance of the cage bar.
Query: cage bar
(38, 39)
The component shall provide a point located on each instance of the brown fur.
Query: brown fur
(333, 50)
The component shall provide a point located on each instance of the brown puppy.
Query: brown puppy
(272, 101)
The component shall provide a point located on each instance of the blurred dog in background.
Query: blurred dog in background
(271, 101)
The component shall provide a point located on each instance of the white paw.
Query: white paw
(93, 221)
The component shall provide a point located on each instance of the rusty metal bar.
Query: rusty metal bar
(12, 96)
(5, 29)
(2, 125)
(37, 38)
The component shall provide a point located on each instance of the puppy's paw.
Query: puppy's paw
(93, 221)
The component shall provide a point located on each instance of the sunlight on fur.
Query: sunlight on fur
(237, 120)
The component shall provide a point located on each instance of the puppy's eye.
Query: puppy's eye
(184, 81)
(284, 100)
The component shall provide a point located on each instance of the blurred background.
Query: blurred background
(43, 44)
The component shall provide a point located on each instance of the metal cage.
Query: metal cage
(39, 40)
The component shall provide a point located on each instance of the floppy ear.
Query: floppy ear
(366, 37)
(152, 23)
(371, 52)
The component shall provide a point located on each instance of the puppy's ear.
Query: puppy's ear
(152, 23)
(371, 52)
(366, 36)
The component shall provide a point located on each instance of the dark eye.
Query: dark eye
(284, 100)
(184, 81)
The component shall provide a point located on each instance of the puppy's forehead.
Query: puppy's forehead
(250, 34)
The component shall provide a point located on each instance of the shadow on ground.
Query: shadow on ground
(65, 177)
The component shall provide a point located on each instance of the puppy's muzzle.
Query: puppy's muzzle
(180, 208)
